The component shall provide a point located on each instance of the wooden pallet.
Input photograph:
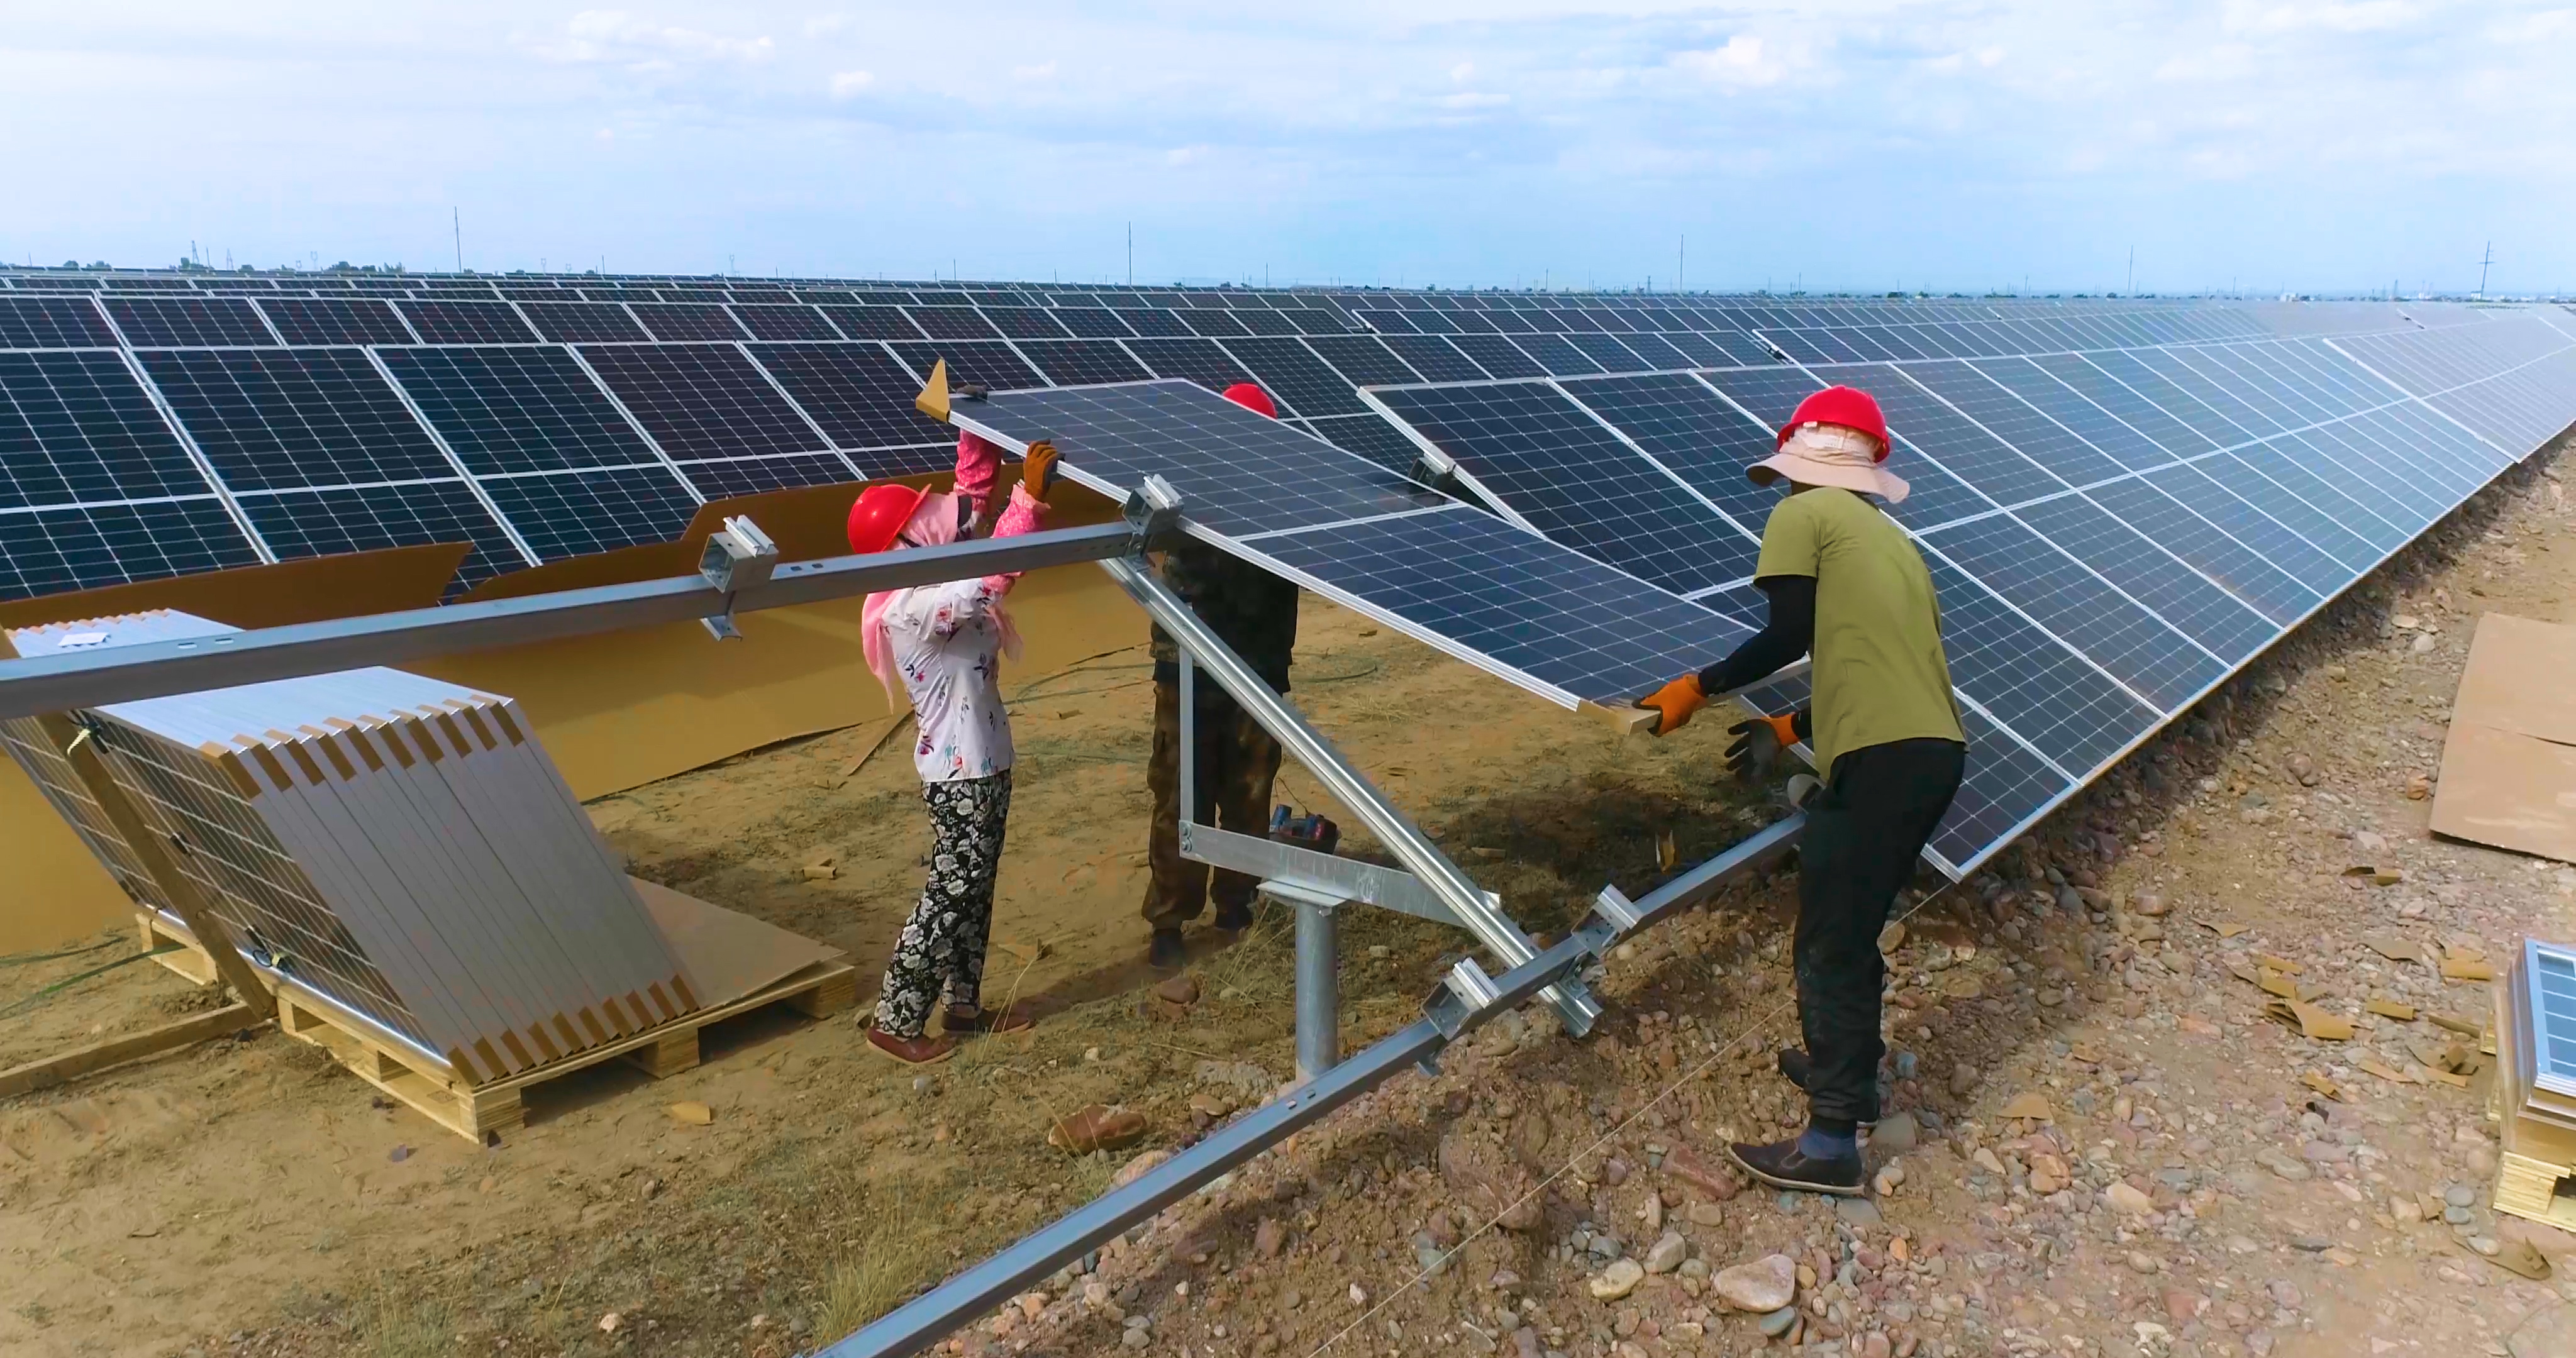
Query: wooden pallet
(480, 1113)
(2536, 1171)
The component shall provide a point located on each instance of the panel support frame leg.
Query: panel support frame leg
(1319, 986)
(1454, 890)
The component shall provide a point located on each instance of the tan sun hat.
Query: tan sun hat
(1837, 437)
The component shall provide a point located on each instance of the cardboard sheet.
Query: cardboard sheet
(728, 955)
(2509, 766)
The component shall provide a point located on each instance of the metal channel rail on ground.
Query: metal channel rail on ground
(1467, 999)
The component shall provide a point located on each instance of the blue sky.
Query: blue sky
(2261, 143)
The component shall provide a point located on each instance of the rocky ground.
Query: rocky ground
(2101, 1143)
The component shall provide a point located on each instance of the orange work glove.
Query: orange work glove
(1038, 473)
(1674, 703)
(1758, 743)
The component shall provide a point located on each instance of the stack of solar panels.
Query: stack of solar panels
(399, 844)
(2536, 1082)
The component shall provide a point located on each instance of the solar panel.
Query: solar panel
(991, 364)
(1152, 321)
(348, 320)
(1498, 356)
(1092, 322)
(872, 322)
(53, 550)
(1557, 354)
(506, 410)
(1432, 356)
(308, 523)
(2553, 1011)
(1024, 322)
(723, 479)
(2025, 428)
(583, 322)
(952, 323)
(1499, 596)
(2191, 533)
(1692, 430)
(1074, 362)
(148, 321)
(77, 427)
(1371, 437)
(466, 322)
(1365, 360)
(785, 323)
(702, 400)
(1200, 361)
(2145, 571)
(2071, 712)
(687, 321)
(1237, 475)
(51, 323)
(861, 397)
(1291, 373)
(564, 514)
(1611, 353)
(268, 418)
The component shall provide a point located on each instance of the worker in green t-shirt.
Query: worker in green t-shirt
(1846, 585)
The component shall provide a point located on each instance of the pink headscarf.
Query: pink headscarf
(933, 524)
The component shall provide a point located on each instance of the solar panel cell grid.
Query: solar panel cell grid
(702, 400)
(2005, 785)
(1091, 322)
(310, 523)
(2026, 430)
(1498, 591)
(1371, 437)
(1074, 362)
(1199, 360)
(51, 323)
(772, 322)
(355, 320)
(1577, 483)
(687, 321)
(1691, 430)
(2070, 711)
(1558, 355)
(294, 417)
(2120, 636)
(1498, 356)
(564, 514)
(516, 409)
(158, 321)
(53, 550)
(991, 363)
(1155, 321)
(583, 322)
(466, 323)
(1290, 371)
(76, 426)
(2234, 566)
(1022, 322)
(861, 397)
(759, 475)
(2142, 570)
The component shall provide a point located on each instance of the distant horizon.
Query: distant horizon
(1828, 147)
(345, 269)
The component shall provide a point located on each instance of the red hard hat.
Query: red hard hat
(1251, 397)
(1849, 407)
(880, 514)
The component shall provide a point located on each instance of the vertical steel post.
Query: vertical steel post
(1573, 1002)
(1319, 989)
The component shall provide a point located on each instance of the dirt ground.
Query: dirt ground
(248, 1197)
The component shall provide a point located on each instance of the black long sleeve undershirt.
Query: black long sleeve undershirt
(1788, 634)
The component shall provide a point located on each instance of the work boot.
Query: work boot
(912, 1051)
(1234, 917)
(1166, 952)
(1793, 1065)
(1782, 1164)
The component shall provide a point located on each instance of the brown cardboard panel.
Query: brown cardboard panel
(319, 587)
(729, 954)
(2507, 789)
(2518, 678)
(57, 892)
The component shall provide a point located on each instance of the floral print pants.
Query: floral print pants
(942, 945)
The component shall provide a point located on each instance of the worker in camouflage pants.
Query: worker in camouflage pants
(1255, 614)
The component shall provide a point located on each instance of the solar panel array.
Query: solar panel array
(2121, 499)
(2119, 512)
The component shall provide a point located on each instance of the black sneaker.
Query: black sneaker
(1782, 1165)
(1166, 952)
(1234, 919)
(1793, 1065)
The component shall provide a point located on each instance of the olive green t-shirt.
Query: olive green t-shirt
(1880, 674)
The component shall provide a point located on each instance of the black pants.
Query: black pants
(1235, 765)
(1863, 833)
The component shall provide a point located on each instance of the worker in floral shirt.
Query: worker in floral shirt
(945, 643)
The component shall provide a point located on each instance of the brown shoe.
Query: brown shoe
(924, 1050)
(963, 1019)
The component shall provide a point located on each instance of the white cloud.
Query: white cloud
(1044, 70)
(1744, 62)
(610, 35)
(849, 84)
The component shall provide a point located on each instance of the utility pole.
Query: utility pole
(2483, 265)
(2133, 271)
(1681, 263)
(456, 223)
(1131, 254)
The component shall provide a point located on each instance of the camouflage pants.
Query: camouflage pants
(942, 945)
(1236, 761)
